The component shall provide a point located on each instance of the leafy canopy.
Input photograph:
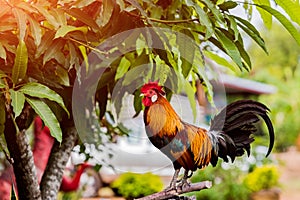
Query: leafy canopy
(44, 43)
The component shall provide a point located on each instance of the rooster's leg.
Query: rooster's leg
(174, 180)
(184, 182)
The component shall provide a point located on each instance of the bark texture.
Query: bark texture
(23, 162)
(59, 156)
(174, 194)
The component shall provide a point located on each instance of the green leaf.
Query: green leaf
(220, 60)
(203, 18)
(190, 92)
(252, 32)
(292, 8)
(230, 48)
(48, 117)
(17, 101)
(233, 26)
(2, 115)
(228, 5)
(265, 16)
(122, 68)
(62, 76)
(284, 21)
(137, 103)
(20, 64)
(187, 52)
(64, 30)
(21, 20)
(41, 91)
(216, 12)
(85, 57)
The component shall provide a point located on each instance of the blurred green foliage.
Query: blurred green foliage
(264, 177)
(131, 185)
(227, 184)
(281, 69)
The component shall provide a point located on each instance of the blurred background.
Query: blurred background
(126, 165)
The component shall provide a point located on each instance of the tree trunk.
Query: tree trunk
(59, 156)
(23, 163)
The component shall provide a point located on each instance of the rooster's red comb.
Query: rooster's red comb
(152, 85)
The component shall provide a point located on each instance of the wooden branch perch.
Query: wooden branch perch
(173, 194)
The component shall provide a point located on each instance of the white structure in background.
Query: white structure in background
(135, 153)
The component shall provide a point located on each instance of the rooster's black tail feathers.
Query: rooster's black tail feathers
(232, 127)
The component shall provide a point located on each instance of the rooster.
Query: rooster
(191, 147)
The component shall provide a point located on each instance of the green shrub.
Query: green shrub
(227, 183)
(131, 185)
(264, 177)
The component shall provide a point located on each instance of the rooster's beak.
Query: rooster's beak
(142, 95)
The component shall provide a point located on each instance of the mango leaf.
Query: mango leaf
(82, 16)
(227, 5)
(252, 32)
(85, 57)
(49, 17)
(20, 65)
(2, 52)
(203, 18)
(265, 16)
(220, 60)
(292, 8)
(187, 52)
(137, 103)
(62, 76)
(2, 115)
(230, 48)
(122, 68)
(17, 101)
(54, 50)
(216, 12)
(108, 7)
(233, 26)
(48, 117)
(101, 97)
(284, 21)
(46, 42)
(41, 91)
(190, 92)
(36, 31)
(2, 84)
(21, 20)
(64, 30)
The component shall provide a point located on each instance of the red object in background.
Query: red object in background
(69, 184)
(43, 142)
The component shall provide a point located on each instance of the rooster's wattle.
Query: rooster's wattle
(193, 148)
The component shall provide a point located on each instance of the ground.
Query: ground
(289, 166)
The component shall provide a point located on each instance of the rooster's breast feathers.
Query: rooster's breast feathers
(180, 141)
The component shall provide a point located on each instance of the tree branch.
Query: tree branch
(59, 156)
(173, 194)
(21, 154)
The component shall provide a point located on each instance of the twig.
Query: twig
(167, 194)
